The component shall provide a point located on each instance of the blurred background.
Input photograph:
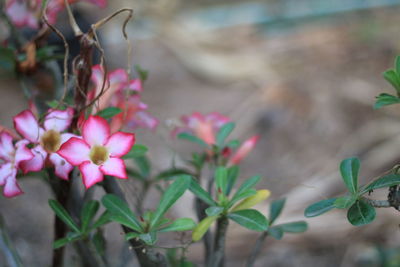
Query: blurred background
(301, 73)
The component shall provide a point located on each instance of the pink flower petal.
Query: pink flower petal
(114, 167)
(6, 170)
(135, 85)
(99, 3)
(22, 153)
(26, 125)
(95, 130)
(36, 163)
(91, 173)
(62, 167)
(58, 120)
(146, 120)
(11, 188)
(120, 143)
(75, 151)
(118, 78)
(20, 15)
(244, 150)
(6, 146)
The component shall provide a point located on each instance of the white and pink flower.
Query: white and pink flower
(98, 153)
(47, 139)
(123, 93)
(12, 156)
(26, 13)
(204, 127)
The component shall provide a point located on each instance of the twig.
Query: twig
(217, 259)
(377, 203)
(256, 250)
(11, 255)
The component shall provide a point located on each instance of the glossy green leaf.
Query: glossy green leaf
(99, 242)
(192, 138)
(361, 213)
(349, 169)
(276, 232)
(233, 173)
(143, 74)
(131, 235)
(224, 132)
(148, 238)
(60, 242)
(244, 194)
(109, 112)
(385, 100)
(172, 174)
(320, 207)
(251, 219)
(120, 212)
(294, 227)
(182, 224)
(199, 192)
(233, 144)
(344, 202)
(143, 165)
(214, 210)
(397, 64)
(247, 184)
(136, 151)
(63, 215)
(384, 181)
(275, 209)
(170, 196)
(392, 77)
(102, 220)
(89, 210)
(221, 178)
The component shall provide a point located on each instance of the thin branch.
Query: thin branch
(256, 250)
(217, 259)
(10, 253)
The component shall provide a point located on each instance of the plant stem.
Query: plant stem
(377, 203)
(207, 238)
(256, 250)
(10, 253)
(146, 256)
(217, 259)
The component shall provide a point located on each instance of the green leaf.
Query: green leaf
(99, 242)
(344, 202)
(233, 144)
(392, 77)
(385, 100)
(320, 207)
(171, 174)
(120, 212)
(135, 174)
(71, 237)
(361, 213)
(224, 132)
(170, 196)
(109, 112)
(63, 215)
(214, 210)
(275, 209)
(247, 184)
(89, 210)
(144, 166)
(53, 103)
(102, 220)
(192, 138)
(397, 64)
(143, 74)
(384, 181)
(251, 219)
(136, 151)
(233, 173)
(349, 169)
(294, 227)
(7, 59)
(199, 192)
(221, 178)
(276, 232)
(131, 235)
(245, 194)
(182, 224)
(148, 238)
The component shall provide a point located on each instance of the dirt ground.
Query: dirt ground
(308, 92)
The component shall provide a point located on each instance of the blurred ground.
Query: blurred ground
(308, 90)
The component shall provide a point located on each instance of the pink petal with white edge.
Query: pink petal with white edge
(147, 120)
(66, 136)
(62, 167)
(91, 173)
(26, 125)
(36, 163)
(135, 85)
(20, 15)
(58, 120)
(22, 153)
(118, 78)
(120, 143)
(75, 151)
(114, 167)
(6, 170)
(11, 188)
(95, 130)
(6, 146)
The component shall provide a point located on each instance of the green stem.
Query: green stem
(10, 253)
(217, 259)
(256, 250)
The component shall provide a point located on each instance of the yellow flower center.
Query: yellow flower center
(98, 154)
(51, 141)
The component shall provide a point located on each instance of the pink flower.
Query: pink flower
(12, 157)
(204, 127)
(123, 93)
(98, 153)
(25, 13)
(243, 150)
(47, 140)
